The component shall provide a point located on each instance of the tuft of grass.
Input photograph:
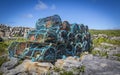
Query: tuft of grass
(56, 69)
(3, 48)
(67, 73)
(1, 73)
(82, 69)
(116, 55)
(2, 60)
(95, 52)
(100, 53)
(106, 47)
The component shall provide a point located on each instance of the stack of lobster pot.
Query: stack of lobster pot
(52, 39)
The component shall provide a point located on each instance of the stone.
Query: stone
(87, 57)
(69, 64)
(33, 68)
(23, 73)
(19, 69)
(59, 63)
(107, 44)
(115, 38)
(100, 66)
(9, 65)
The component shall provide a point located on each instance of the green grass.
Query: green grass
(80, 69)
(56, 69)
(67, 73)
(100, 53)
(3, 49)
(4, 45)
(107, 32)
(106, 47)
(1, 73)
(116, 55)
(2, 60)
(95, 52)
(98, 41)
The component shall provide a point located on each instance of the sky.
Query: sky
(97, 14)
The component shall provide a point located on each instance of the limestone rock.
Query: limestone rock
(27, 67)
(9, 65)
(99, 66)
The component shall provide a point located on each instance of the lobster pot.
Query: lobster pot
(71, 37)
(20, 48)
(75, 28)
(47, 22)
(86, 29)
(88, 39)
(49, 54)
(70, 50)
(60, 51)
(52, 39)
(31, 35)
(78, 48)
(78, 38)
(11, 49)
(62, 36)
(17, 49)
(40, 37)
(46, 36)
(65, 26)
(82, 28)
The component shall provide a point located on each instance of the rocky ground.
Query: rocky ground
(105, 49)
(103, 60)
(86, 65)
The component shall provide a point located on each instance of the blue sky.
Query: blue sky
(97, 14)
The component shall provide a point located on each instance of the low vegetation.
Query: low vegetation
(66, 73)
(4, 45)
(2, 60)
(1, 73)
(98, 41)
(107, 32)
(80, 69)
(100, 53)
(116, 55)
(56, 69)
(3, 48)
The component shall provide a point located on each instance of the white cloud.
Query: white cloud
(29, 16)
(41, 6)
(53, 7)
